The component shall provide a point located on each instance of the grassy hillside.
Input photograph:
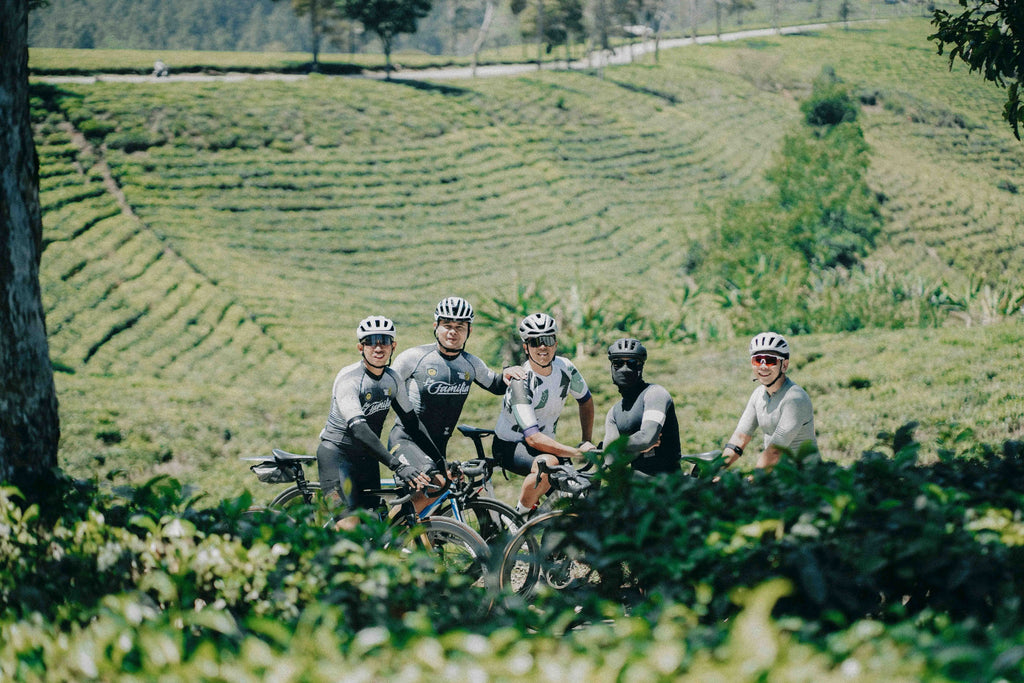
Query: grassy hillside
(210, 246)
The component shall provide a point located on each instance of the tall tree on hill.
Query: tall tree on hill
(323, 19)
(989, 37)
(29, 425)
(387, 19)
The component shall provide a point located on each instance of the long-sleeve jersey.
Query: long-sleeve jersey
(438, 386)
(785, 417)
(359, 405)
(534, 404)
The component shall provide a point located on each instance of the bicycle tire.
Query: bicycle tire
(541, 553)
(293, 505)
(495, 521)
(459, 549)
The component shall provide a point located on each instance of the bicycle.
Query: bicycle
(459, 548)
(557, 553)
(543, 548)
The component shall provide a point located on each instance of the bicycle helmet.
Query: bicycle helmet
(453, 308)
(375, 324)
(769, 342)
(627, 348)
(537, 325)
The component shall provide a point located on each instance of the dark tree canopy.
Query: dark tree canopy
(989, 36)
(387, 19)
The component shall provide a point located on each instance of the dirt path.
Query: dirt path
(623, 55)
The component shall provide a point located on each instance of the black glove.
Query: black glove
(406, 473)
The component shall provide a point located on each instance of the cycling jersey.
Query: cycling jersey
(438, 387)
(534, 404)
(647, 418)
(785, 417)
(350, 441)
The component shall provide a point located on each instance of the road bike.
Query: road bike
(551, 549)
(545, 551)
(459, 548)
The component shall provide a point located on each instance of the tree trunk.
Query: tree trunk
(481, 37)
(29, 427)
(314, 25)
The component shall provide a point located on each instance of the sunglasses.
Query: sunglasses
(631, 363)
(545, 340)
(377, 340)
(767, 360)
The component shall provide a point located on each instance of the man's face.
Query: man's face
(451, 334)
(767, 367)
(377, 349)
(626, 371)
(541, 350)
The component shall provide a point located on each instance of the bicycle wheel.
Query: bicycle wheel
(495, 521)
(292, 503)
(459, 549)
(543, 553)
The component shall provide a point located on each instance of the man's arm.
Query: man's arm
(587, 419)
(731, 452)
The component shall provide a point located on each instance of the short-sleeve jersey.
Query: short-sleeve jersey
(785, 417)
(534, 404)
(358, 395)
(438, 386)
(655, 404)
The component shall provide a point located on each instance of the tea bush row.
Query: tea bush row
(891, 570)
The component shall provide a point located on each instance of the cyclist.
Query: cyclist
(350, 447)
(525, 431)
(439, 376)
(779, 407)
(646, 413)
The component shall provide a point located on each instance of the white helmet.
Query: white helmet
(375, 324)
(769, 342)
(537, 325)
(453, 308)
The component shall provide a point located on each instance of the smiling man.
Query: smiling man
(361, 397)
(779, 407)
(439, 376)
(525, 431)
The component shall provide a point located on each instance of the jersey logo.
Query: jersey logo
(431, 371)
(543, 399)
(377, 407)
(446, 389)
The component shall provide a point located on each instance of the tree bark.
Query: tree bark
(29, 425)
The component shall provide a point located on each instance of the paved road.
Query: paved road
(624, 55)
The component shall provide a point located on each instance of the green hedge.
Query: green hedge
(886, 568)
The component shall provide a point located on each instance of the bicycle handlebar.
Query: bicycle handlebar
(564, 477)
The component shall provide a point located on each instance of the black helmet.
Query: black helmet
(627, 348)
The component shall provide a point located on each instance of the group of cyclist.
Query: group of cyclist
(427, 387)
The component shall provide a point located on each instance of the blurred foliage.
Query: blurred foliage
(884, 570)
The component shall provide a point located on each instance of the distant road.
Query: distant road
(623, 55)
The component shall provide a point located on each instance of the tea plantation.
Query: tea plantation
(210, 246)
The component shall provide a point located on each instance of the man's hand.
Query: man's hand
(513, 372)
(412, 476)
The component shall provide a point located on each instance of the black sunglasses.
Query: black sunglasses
(377, 339)
(543, 340)
(631, 363)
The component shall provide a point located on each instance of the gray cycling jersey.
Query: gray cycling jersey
(786, 417)
(438, 386)
(359, 396)
(534, 404)
(647, 419)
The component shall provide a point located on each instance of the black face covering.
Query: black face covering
(626, 377)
